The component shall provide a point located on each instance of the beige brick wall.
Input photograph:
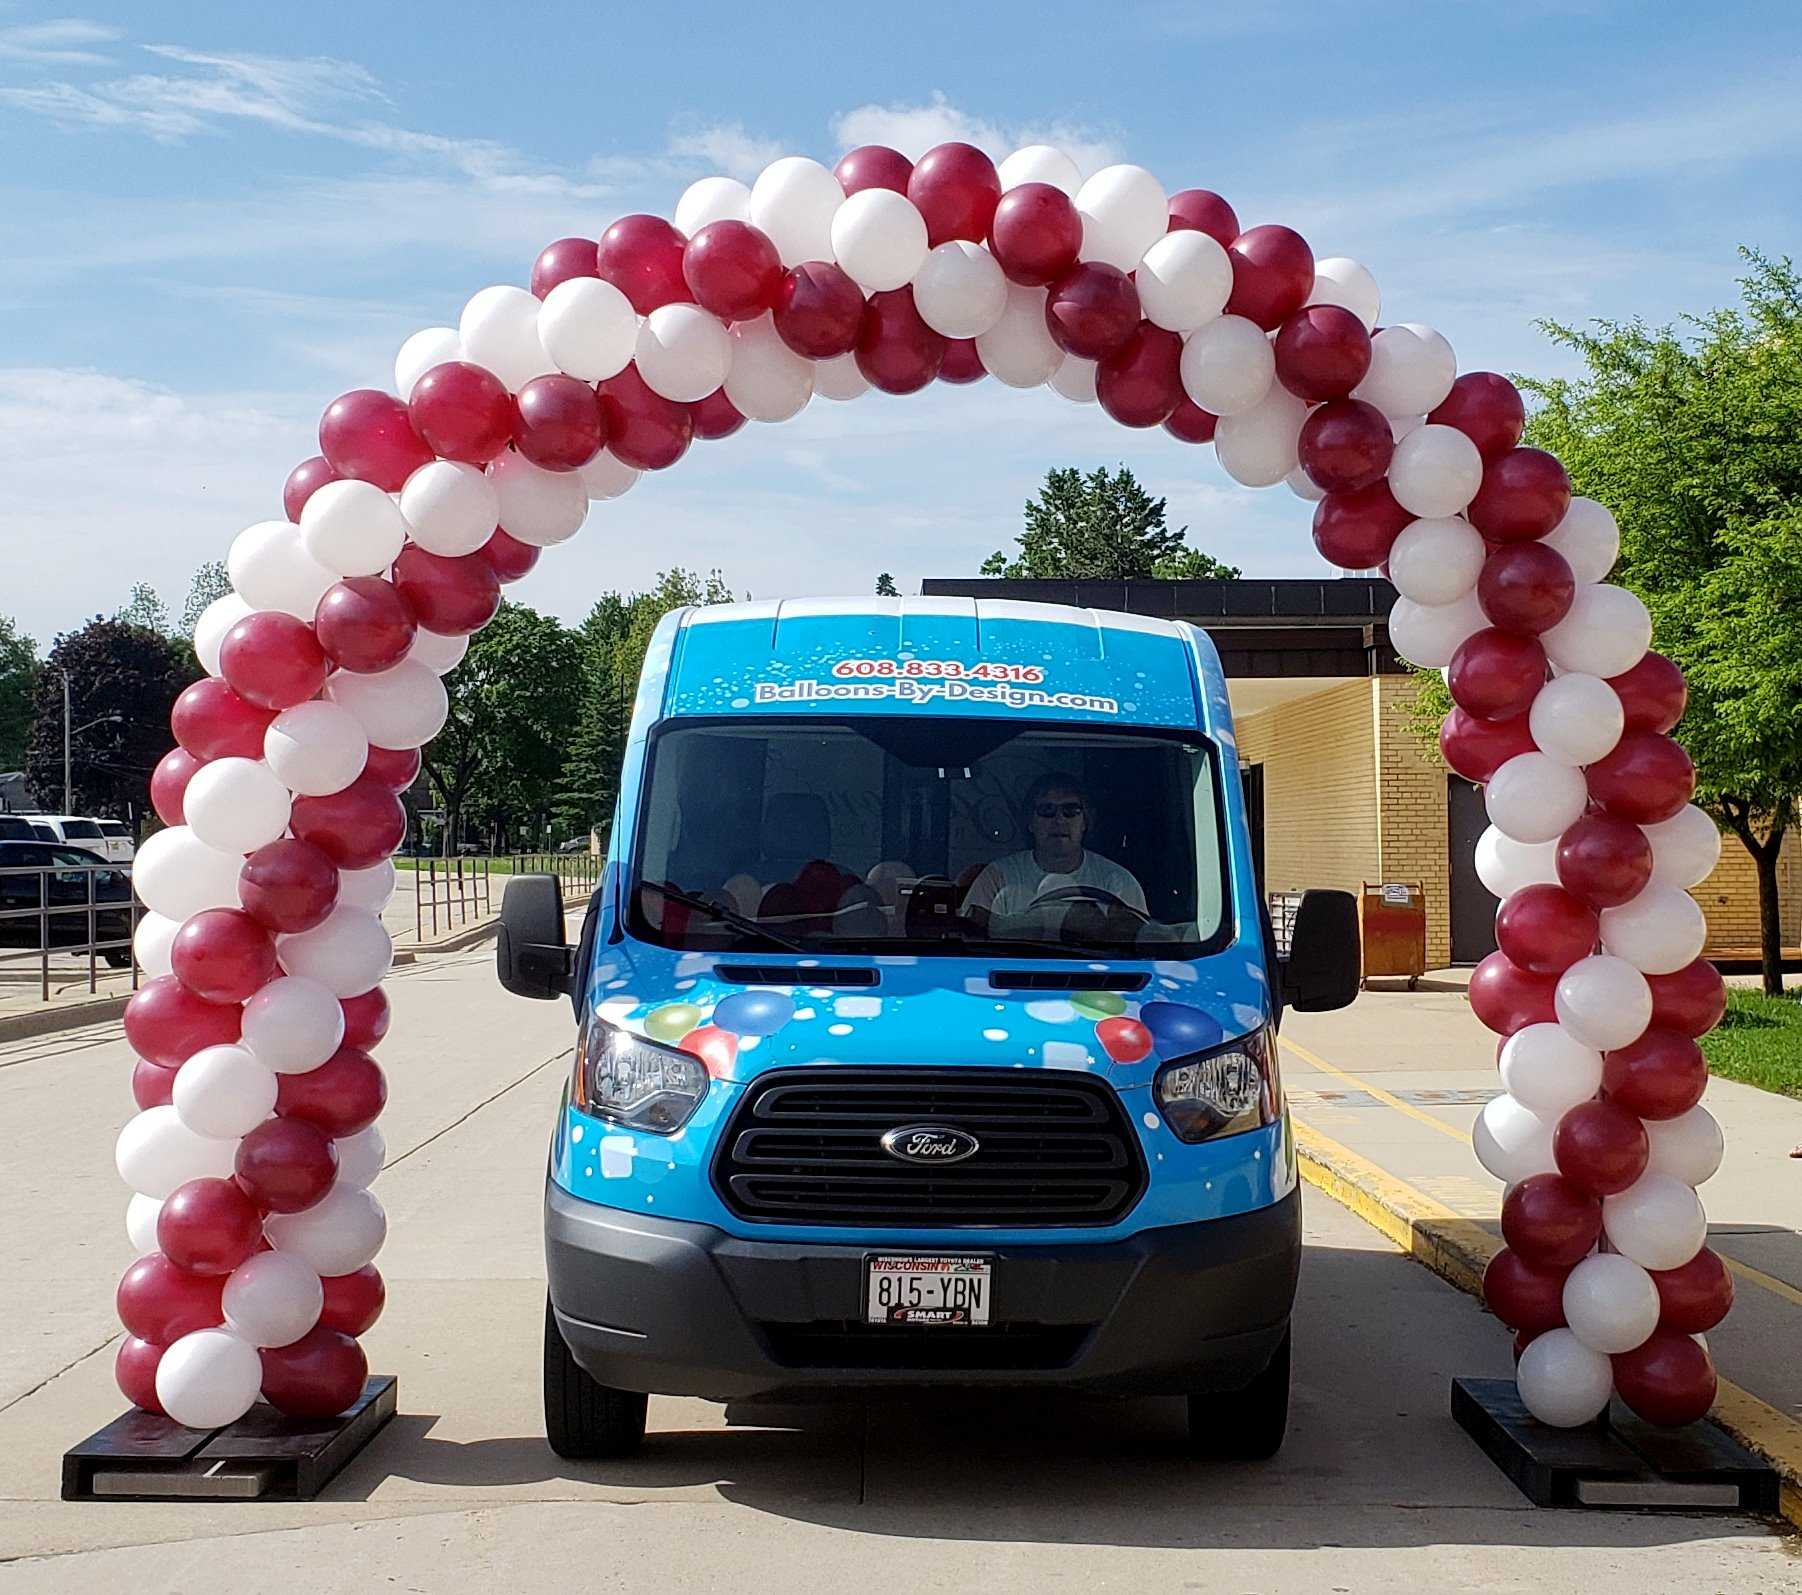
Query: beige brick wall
(1411, 812)
(1729, 897)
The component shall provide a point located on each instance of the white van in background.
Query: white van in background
(109, 839)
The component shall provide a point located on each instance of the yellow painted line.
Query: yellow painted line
(1387, 1098)
(1776, 1286)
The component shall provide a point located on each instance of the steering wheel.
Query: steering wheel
(1089, 894)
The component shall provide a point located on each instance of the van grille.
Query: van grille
(804, 1147)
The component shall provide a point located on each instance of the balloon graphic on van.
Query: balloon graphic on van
(754, 1013)
(1177, 1028)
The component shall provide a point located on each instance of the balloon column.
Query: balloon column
(254, 1151)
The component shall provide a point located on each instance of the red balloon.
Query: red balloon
(1476, 749)
(452, 595)
(1660, 1076)
(644, 429)
(463, 411)
(1356, 529)
(1507, 998)
(1525, 493)
(956, 189)
(1487, 409)
(317, 1376)
(1205, 212)
(208, 1226)
(1525, 587)
(715, 416)
(508, 557)
(1604, 861)
(1600, 1147)
(1346, 446)
(1496, 674)
(288, 886)
(1189, 423)
(1322, 352)
(1035, 234)
(135, 1370)
(1645, 779)
(716, 1048)
(1525, 1298)
(1668, 1380)
(1653, 693)
(222, 955)
(286, 1165)
(557, 423)
(366, 1018)
(1273, 274)
(342, 1096)
(1545, 929)
(1124, 1040)
(732, 269)
(353, 1302)
(213, 722)
(1092, 310)
(1549, 1222)
(1141, 384)
(560, 261)
(873, 166)
(355, 828)
(818, 311)
(396, 768)
(151, 1085)
(303, 482)
(1694, 1298)
(369, 435)
(1691, 1000)
(364, 624)
(962, 364)
(273, 660)
(169, 784)
(167, 1024)
(642, 257)
(158, 1302)
(896, 351)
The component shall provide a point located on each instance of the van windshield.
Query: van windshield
(913, 835)
(82, 830)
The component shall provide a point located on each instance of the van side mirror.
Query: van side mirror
(1324, 965)
(531, 953)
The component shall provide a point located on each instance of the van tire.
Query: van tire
(1245, 1425)
(584, 1419)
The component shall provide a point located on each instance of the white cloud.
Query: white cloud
(726, 147)
(68, 41)
(914, 129)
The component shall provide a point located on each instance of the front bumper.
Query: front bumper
(677, 1308)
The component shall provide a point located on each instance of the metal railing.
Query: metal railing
(449, 893)
(39, 917)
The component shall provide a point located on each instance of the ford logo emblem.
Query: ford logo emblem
(930, 1143)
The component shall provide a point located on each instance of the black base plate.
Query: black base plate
(264, 1455)
(1619, 1462)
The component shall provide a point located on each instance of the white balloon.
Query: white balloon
(156, 1152)
(793, 203)
(1258, 447)
(683, 352)
(1610, 1303)
(272, 1299)
(140, 1222)
(1606, 632)
(1040, 163)
(1401, 426)
(712, 199)
(1429, 634)
(1685, 848)
(450, 508)
(1412, 369)
(960, 290)
(499, 330)
(1437, 561)
(588, 328)
(1436, 471)
(1658, 932)
(403, 707)
(370, 888)
(348, 954)
(271, 569)
(152, 941)
(360, 1157)
(768, 380)
(1562, 1382)
(1603, 1001)
(438, 653)
(1018, 350)
(336, 1235)
(1688, 1148)
(1657, 1221)
(429, 347)
(1074, 379)
(292, 1025)
(607, 476)
(1227, 365)
(1343, 282)
(1302, 485)
(215, 621)
(1512, 1141)
(537, 506)
(1505, 865)
(839, 378)
(1184, 280)
(1124, 212)
(315, 748)
(178, 875)
(235, 805)
(1588, 539)
(223, 1092)
(1546, 1069)
(1576, 718)
(879, 239)
(353, 528)
(1534, 798)
(208, 1379)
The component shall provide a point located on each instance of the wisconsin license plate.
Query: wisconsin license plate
(952, 1291)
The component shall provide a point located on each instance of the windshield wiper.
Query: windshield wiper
(726, 916)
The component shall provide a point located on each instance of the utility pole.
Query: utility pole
(68, 783)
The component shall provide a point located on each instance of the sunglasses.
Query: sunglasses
(1051, 811)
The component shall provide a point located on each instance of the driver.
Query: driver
(1057, 816)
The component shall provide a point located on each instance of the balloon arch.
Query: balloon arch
(256, 1143)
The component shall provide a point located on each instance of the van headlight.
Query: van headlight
(1225, 1091)
(637, 1083)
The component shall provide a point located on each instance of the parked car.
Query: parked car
(109, 838)
(121, 845)
(576, 844)
(35, 875)
(16, 828)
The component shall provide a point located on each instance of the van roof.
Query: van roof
(781, 613)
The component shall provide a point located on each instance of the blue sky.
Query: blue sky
(214, 218)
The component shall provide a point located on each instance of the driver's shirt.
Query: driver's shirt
(1010, 886)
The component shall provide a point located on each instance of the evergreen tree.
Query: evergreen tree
(18, 684)
(1103, 525)
(210, 582)
(885, 586)
(145, 608)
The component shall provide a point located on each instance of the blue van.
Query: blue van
(926, 1021)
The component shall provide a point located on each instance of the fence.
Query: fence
(449, 893)
(71, 910)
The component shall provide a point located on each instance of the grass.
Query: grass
(1759, 1042)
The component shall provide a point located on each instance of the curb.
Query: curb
(67, 1016)
(469, 936)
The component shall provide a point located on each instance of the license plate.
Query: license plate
(948, 1291)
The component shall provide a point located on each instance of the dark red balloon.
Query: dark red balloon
(1545, 929)
(1507, 998)
(366, 1018)
(1273, 274)
(318, 1376)
(273, 660)
(1355, 530)
(158, 1302)
(642, 257)
(1525, 1298)
(896, 351)
(1141, 384)
(1694, 1298)
(452, 595)
(956, 189)
(1487, 409)
(169, 784)
(364, 625)
(732, 269)
(962, 364)
(355, 828)
(213, 722)
(644, 429)
(342, 1096)
(1124, 1040)
(557, 423)
(1525, 587)
(1669, 1379)
(134, 1368)
(151, 1085)
(1549, 1222)
(1525, 493)
(715, 416)
(285, 1165)
(463, 411)
(288, 886)
(303, 482)
(1645, 779)
(560, 261)
(818, 311)
(222, 955)
(1660, 1076)
(1092, 310)
(1035, 234)
(1476, 749)
(353, 1302)
(1604, 861)
(1346, 446)
(167, 1024)
(1691, 1000)
(872, 166)
(1600, 1147)
(208, 1226)
(395, 768)
(1653, 693)
(1205, 212)
(1322, 352)
(1496, 674)
(369, 435)
(1189, 423)
(508, 557)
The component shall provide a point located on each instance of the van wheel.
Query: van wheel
(1245, 1425)
(584, 1419)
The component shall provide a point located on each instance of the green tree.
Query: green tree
(210, 582)
(145, 608)
(18, 685)
(1103, 525)
(885, 586)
